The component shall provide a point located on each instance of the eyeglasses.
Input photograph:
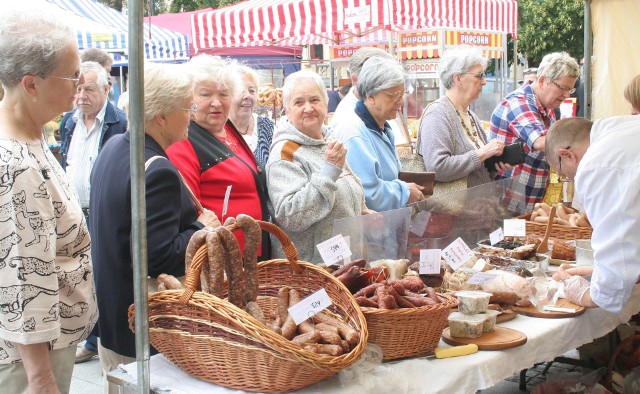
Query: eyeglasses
(564, 88)
(191, 109)
(477, 75)
(76, 81)
(396, 95)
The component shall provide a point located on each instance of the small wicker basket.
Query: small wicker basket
(408, 332)
(558, 231)
(213, 340)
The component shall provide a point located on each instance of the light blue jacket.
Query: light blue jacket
(372, 156)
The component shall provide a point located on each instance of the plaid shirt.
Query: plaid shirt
(521, 117)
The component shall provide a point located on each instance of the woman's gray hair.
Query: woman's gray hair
(102, 79)
(222, 72)
(363, 54)
(293, 80)
(557, 65)
(165, 87)
(459, 60)
(31, 42)
(247, 71)
(378, 74)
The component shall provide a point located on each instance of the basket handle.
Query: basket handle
(193, 276)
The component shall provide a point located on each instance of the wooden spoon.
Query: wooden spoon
(544, 245)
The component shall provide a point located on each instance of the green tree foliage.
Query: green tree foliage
(547, 26)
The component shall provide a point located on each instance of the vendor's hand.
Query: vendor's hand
(415, 192)
(575, 288)
(368, 211)
(494, 147)
(502, 167)
(567, 270)
(335, 153)
(209, 219)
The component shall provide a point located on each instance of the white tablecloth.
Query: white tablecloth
(547, 339)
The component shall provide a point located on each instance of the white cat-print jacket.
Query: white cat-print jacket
(46, 281)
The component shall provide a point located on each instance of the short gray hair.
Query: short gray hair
(363, 54)
(294, 80)
(557, 65)
(459, 60)
(165, 86)
(223, 72)
(31, 42)
(565, 133)
(102, 79)
(247, 71)
(97, 55)
(378, 74)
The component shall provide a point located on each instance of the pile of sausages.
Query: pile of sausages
(321, 334)
(565, 215)
(408, 292)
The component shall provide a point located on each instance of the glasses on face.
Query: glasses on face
(75, 81)
(564, 88)
(191, 109)
(479, 75)
(395, 96)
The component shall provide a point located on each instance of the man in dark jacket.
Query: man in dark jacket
(93, 122)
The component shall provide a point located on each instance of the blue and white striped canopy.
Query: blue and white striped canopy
(102, 27)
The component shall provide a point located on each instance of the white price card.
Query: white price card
(480, 278)
(334, 250)
(429, 261)
(496, 236)
(457, 253)
(310, 306)
(515, 227)
(419, 223)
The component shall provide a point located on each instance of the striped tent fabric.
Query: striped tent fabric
(304, 22)
(160, 45)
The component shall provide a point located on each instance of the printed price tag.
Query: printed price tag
(430, 261)
(515, 227)
(457, 253)
(480, 278)
(419, 223)
(310, 306)
(334, 250)
(496, 236)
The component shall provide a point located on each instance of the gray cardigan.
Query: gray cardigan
(445, 147)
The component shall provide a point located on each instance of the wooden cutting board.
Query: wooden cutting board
(533, 312)
(506, 315)
(501, 338)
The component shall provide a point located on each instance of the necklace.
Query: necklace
(472, 135)
(246, 130)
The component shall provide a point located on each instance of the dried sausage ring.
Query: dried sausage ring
(232, 265)
(252, 234)
(215, 272)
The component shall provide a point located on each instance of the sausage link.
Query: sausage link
(431, 293)
(215, 273)
(366, 302)
(289, 328)
(420, 301)
(401, 302)
(197, 240)
(232, 265)
(170, 282)
(368, 291)
(309, 337)
(254, 310)
(252, 234)
(282, 304)
(331, 350)
(349, 334)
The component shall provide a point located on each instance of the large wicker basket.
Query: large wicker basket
(213, 340)
(558, 231)
(408, 332)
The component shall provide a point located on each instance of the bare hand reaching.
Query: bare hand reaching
(494, 147)
(209, 219)
(335, 153)
(415, 192)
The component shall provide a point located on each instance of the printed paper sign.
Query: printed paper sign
(515, 227)
(429, 261)
(419, 223)
(480, 278)
(457, 253)
(310, 306)
(361, 14)
(334, 250)
(496, 236)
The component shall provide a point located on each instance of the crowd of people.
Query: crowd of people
(65, 244)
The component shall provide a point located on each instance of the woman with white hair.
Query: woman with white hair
(452, 141)
(369, 139)
(43, 234)
(257, 131)
(310, 184)
(172, 217)
(216, 161)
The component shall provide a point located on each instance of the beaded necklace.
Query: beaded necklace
(472, 135)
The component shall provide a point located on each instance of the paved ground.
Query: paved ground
(87, 378)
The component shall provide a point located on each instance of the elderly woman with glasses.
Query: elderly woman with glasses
(310, 184)
(452, 141)
(369, 140)
(43, 233)
(216, 162)
(526, 114)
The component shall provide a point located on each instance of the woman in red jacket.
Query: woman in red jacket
(216, 162)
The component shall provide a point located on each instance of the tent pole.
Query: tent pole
(138, 204)
(586, 77)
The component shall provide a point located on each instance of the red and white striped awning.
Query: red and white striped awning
(305, 22)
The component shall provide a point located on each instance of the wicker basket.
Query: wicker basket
(408, 332)
(558, 231)
(213, 340)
